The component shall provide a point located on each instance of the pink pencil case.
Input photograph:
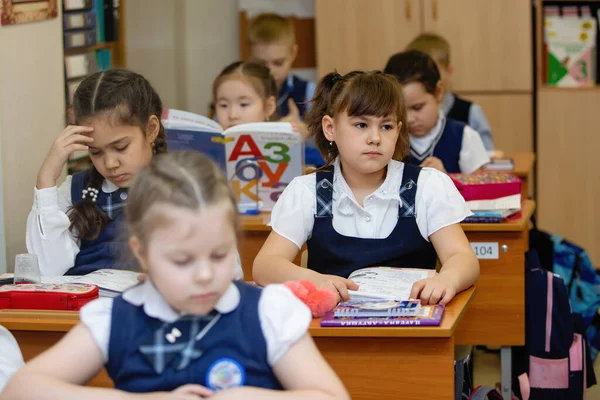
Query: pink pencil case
(486, 185)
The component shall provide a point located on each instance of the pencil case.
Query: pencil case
(40, 296)
(486, 185)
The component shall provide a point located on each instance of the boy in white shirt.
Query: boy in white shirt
(435, 140)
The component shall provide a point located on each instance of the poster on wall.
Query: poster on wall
(24, 11)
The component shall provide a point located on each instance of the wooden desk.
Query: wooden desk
(38, 330)
(373, 363)
(497, 316)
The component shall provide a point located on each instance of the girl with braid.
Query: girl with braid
(75, 228)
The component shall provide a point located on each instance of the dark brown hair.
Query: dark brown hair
(357, 93)
(414, 66)
(126, 98)
(183, 179)
(258, 75)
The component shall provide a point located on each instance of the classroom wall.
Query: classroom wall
(180, 46)
(32, 114)
(150, 44)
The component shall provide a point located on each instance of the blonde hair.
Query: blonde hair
(270, 28)
(181, 179)
(434, 46)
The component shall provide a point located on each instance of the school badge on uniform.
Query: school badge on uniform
(225, 373)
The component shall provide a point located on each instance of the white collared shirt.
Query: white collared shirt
(473, 154)
(11, 358)
(437, 205)
(48, 235)
(283, 318)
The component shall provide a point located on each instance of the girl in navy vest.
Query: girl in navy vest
(369, 208)
(188, 329)
(76, 228)
(435, 141)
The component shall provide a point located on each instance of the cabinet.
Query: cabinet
(490, 40)
(491, 46)
(362, 34)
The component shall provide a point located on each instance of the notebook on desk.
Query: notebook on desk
(111, 282)
(382, 299)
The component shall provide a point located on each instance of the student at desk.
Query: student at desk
(272, 42)
(368, 208)
(244, 92)
(75, 229)
(452, 105)
(435, 140)
(188, 331)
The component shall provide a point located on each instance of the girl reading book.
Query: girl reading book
(75, 229)
(188, 331)
(367, 207)
(244, 92)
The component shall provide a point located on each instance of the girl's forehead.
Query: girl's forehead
(391, 116)
(106, 132)
(236, 86)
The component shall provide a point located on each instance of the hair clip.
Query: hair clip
(92, 192)
(335, 78)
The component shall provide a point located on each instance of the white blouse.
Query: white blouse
(283, 318)
(10, 356)
(48, 235)
(473, 154)
(437, 205)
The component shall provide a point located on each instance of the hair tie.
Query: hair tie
(92, 192)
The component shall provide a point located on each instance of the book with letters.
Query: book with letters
(382, 299)
(260, 159)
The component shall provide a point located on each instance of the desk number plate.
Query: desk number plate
(485, 250)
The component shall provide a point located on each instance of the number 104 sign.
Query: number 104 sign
(485, 250)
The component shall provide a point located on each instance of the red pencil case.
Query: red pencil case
(64, 296)
(486, 185)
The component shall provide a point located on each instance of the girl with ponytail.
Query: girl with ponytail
(76, 228)
(367, 207)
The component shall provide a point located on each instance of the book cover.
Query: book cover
(276, 148)
(259, 159)
(377, 308)
(571, 43)
(428, 316)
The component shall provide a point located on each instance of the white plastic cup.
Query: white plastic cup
(27, 269)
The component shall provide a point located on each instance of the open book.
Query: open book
(111, 282)
(260, 159)
(386, 283)
(383, 299)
